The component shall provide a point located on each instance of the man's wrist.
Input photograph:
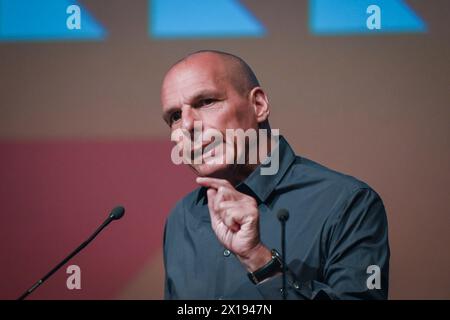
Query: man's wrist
(269, 270)
(256, 258)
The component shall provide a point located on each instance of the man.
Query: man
(222, 241)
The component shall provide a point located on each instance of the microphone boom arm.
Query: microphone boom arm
(115, 214)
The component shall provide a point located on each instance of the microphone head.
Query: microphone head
(117, 213)
(283, 215)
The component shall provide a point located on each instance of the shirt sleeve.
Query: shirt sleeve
(356, 262)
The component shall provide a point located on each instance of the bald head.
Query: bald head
(230, 67)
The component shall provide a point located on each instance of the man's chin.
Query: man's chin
(221, 171)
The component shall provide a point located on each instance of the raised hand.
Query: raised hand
(235, 221)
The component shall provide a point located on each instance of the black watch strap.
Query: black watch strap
(271, 268)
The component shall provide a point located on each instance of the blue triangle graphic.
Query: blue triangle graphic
(41, 20)
(331, 17)
(202, 19)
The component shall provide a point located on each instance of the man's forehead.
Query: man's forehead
(186, 80)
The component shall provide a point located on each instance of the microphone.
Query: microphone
(115, 214)
(283, 216)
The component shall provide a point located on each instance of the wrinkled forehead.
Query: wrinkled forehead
(186, 79)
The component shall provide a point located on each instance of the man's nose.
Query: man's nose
(188, 116)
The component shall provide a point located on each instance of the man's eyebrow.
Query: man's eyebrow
(202, 94)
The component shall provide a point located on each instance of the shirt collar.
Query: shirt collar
(261, 186)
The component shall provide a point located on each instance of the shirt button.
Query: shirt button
(226, 252)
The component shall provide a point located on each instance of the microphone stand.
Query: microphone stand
(283, 216)
(116, 214)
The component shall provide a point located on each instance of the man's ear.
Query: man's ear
(260, 103)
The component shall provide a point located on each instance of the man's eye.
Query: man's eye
(175, 116)
(206, 102)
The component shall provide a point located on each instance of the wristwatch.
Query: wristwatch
(274, 266)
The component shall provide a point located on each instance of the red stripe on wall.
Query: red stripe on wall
(55, 194)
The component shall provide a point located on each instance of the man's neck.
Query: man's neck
(241, 172)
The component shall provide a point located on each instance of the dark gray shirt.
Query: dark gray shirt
(336, 238)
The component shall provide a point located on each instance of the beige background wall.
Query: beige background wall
(376, 107)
